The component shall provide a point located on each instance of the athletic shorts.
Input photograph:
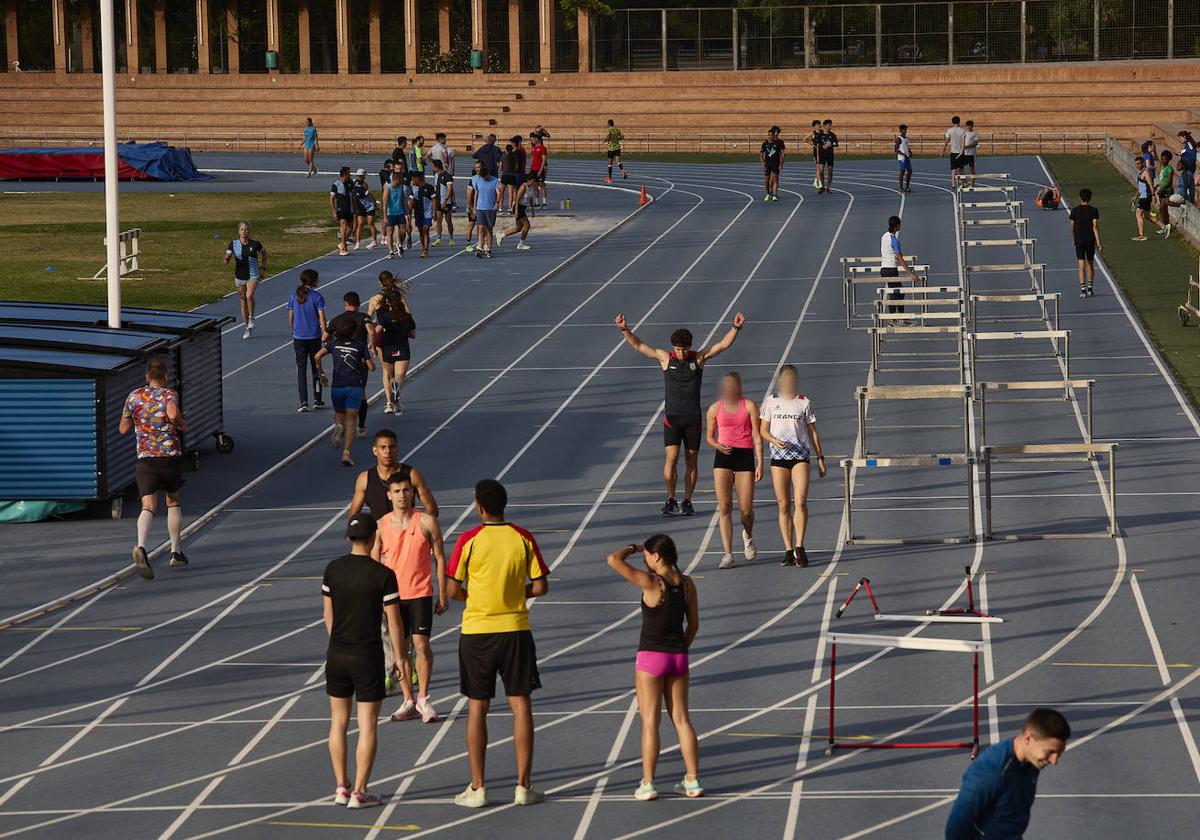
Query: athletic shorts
(508, 179)
(417, 614)
(787, 463)
(658, 664)
(825, 158)
(355, 670)
(968, 160)
(739, 460)
(245, 281)
(904, 165)
(614, 153)
(538, 176)
(1086, 250)
(521, 214)
(771, 166)
(486, 218)
(154, 474)
(345, 216)
(346, 398)
(421, 221)
(395, 221)
(956, 162)
(395, 352)
(1144, 204)
(518, 179)
(513, 655)
(889, 271)
(681, 429)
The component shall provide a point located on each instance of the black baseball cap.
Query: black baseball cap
(361, 527)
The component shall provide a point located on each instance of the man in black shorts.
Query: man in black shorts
(152, 413)
(683, 419)
(1085, 230)
(364, 333)
(771, 154)
(357, 593)
(825, 152)
(341, 205)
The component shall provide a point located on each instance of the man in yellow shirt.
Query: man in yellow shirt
(612, 143)
(495, 568)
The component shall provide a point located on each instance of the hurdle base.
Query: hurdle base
(1090, 535)
(936, 618)
(909, 540)
(905, 745)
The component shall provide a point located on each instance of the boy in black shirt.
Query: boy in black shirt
(771, 155)
(357, 592)
(341, 205)
(424, 202)
(829, 142)
(1085, 230)
(351, 361)
(364, 330)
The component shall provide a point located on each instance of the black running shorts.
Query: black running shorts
(417, 615)
(154, 474)
(682, 430)
(481, 656)
(355, 670)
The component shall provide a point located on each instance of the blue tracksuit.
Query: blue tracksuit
(996, 797)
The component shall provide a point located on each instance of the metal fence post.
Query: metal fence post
(663, 36)
(810, 42)
(950, 32)
(1170, 28)
(1022, 31)
(1095, 30)
(734, 12)
(878, 34)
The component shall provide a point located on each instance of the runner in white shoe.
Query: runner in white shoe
(789, 425)
(520, 223)
(407, 541)
(249, 262)
(737, 466)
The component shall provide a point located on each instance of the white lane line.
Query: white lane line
(793, 813)
(190, 809)
(82, 733)
(195, 637)
(213, 512)
(989, 669)
(823, 629)
(25, 647)
(13, 791)
(589, 812)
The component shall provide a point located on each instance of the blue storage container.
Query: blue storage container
(64, 378)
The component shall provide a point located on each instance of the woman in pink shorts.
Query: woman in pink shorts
(668, 604)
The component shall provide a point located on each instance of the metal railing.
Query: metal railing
(887, 34)
(728, 142)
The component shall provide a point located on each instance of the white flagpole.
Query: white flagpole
(112, 220)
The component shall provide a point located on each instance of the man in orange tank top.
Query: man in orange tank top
(406, 542)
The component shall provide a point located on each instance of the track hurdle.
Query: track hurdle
(1045, 452)
(936, 460)
(913, 392)
(864, 275)
(955, 332)
(966, 179)
(1067, 387)
(920, 298)
(1037, 276)
(1007, 191)
(865, 262)
(130, 259)
(1187, 309)
(1007, 206)
(1053, 335)
(1020, 225)
(904, 643)
(1053, 298)
(1028, 246)
(958, 615)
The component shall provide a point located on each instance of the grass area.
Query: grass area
(182, 243)
(1153, 274)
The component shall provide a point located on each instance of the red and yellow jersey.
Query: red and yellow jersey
(493, 561)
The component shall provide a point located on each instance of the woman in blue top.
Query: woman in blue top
(351, 361)
(310, 146)
(394, 213)
(1187, 167)
(306, 315)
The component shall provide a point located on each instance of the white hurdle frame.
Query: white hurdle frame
(129, 250)
(957, 331)
(1037, 276)
(1024, 335)
(864, 262)
(871, 275)
(865, 393)
(1028, 246)
(1050, 452)
(1019, 224)
(934, 460)
(1067, 387)
(928, 643)
(1033, 297)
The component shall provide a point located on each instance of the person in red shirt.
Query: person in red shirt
(538, 154)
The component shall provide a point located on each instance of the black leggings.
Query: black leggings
(306, 357)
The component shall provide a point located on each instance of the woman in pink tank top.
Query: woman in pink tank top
(737, 464)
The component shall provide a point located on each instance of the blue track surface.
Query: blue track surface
(193, 706)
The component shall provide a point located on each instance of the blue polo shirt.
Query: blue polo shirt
(486, 190)
(996, 797)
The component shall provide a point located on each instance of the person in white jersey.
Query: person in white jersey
(904, 159)
(955, 141)
(789, 425)
(891, 260)
(970, 149)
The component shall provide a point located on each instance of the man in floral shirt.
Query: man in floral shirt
(152, 413)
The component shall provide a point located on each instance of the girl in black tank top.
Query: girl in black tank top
(670, 619)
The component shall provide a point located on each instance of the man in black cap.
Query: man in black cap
(357, 593)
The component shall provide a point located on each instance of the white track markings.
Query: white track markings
(191, 808)
(62, 621)
(195, 637)
(589, 812)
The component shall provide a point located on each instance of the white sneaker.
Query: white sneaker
(362, 799)
(437, 243)
(527, 795)
(472, 798)
(250, 324)
(521, 246)
(342, 795)
(336, 439)
(451, 240)
(748, 546)
(500, 239)
(407, 711)
(248, 333)
(371, 245)
(426, 710)
(727, 562)
(357, 245)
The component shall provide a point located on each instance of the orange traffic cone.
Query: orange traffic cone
(645, 199)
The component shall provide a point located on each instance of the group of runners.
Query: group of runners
(1163, 181)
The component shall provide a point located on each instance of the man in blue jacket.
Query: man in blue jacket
(998, 789)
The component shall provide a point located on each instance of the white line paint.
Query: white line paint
(82, 733)
(12, 657)
(12, 791)
(190, 809)
(793, 812)
(589, 812)
(195, 637)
